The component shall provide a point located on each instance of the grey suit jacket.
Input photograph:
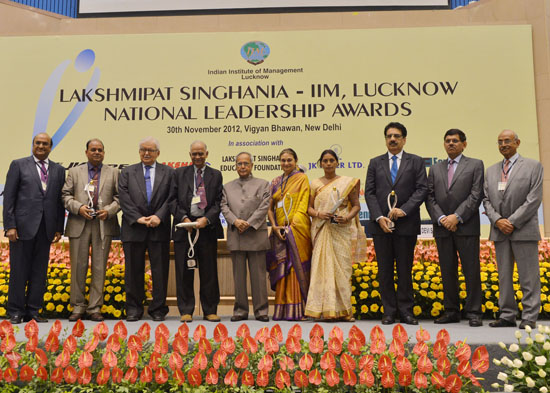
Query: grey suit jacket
(463, 197)
(247, 200)
(74, 197)
(519, 202)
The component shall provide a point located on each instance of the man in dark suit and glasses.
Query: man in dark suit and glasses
(197, 194)
(405, 175)
(144, 191)
(33, 219)
(455, 191)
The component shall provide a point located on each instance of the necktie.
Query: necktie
(450, 173)
(201, 192)
(393, 171)
(43, 172)
(95, 171)
(505, 169)
(148, 188)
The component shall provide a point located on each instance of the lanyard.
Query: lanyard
(45, 173)
(284, 182)
(509, 169)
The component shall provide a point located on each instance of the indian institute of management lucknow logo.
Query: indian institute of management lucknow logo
(255, 52)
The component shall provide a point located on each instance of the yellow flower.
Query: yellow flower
(353, 310)
(60, 288)
(56, 296)
(353, 301)
(47, 296)
(57, 281)
(358, 279)
(109, 289)
(494, 287)
(435, 312)
(88, 280)
(423, 293)
(440, 295)
(424, 285)
(375, 293)
(417, 310)
(462, 286)
(364, 285)
(543, 297)
(363, 295)
(519, 294)
(65, 297)
(462, 294)
(104, 308)
(546, 307)
(59, 308)
(436, 280)
(67, 281)
(431, 295)
(433, 286)
(2, 299)
(364, 309)
(437, 305)
(50, 307)
(107, 297)
(489, 305)
(50, 287)
(117, 289)
(117, 313)
(69, 307)
(118, 297)
(415, 286)
(2, 312)
(374, 307)
(375, 284)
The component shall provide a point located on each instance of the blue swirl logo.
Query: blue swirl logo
(255, 52)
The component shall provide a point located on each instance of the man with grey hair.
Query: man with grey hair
(90, 194)
(196, 194)
(144, 198)
(513, 194)
(244, 206)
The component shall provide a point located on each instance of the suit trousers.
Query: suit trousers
(28, 269)
(80, 256)
(449, 248)
(390, 248)
(526, 256)
(206, 254)
(257, 267)
(134, 276)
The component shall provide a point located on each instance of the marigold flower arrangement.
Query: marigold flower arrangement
(116, 361)
(526, 368)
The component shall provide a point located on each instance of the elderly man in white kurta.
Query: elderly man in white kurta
(244, 206)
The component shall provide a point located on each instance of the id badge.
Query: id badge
(195, 200)
(501, 185)
(191, 264)
(90, 188)
(44, 186)
(280, 205)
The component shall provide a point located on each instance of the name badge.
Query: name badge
(280, 205)
(89, 188)
(44, 185)
(501, 185)
(195, 200)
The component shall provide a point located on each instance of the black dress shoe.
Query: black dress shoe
(388, 320)
(262, 318)
(36, 317)
(132, 318)
(476, 321)
(524, 323)
(409, 320)
(502, 323)
(448, 318)
(237, 318)
(157, 317)
(16, 319)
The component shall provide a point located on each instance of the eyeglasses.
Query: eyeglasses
(243, 164)
(448, 141)
(502, 142)
(396, 136)
(143, 150)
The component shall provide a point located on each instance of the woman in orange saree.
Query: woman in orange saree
(338, 241)
(288, 263)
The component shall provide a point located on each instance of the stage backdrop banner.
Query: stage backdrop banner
(264, 91)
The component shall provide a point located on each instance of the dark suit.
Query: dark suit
(463, 198)
(411, 189)
(137, 238)
(37, 215)
(206, 249)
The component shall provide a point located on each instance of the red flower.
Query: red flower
(154, 360)
(327, 361)
(161, 375)
(26, 373)
(421, 348)
(144, 332)
(335, 345)
(336, 332)
(32, 343)
(6, 328)
(135, 343)
(57, 375)
(420, 380)
(132, 358)
(332, 377)
(205, 346)
(200, 361)
(70, 344)
(262, 379)
(219, 358)
(120, 330)
(437, 380)
(70, 375)
(388, 379)
(347, 362)
(90, 345)
(266, 363)
(354, 346)
(378, 346)
(247, 378)
(42, 373)
(474, 380)
(183, 331)
(480, 360)
(109, 359)
(444, 365)
(211, 376)
(162, 331)
(231, 378)
(250, 345)
(366, 362)
(422, 335)
(293, 345)
(63, 359)
(405, 378)
(41, 357)
(295, 331)
(52, 343)
(306, 361)
(101, 331)
(282, 379)
(444, 335)
(424, 364)
(384, 364)
(376, 333)
(179, 377)
(146, 374)
(397, 348)
(464, 368)
(453, 383)
(175, 362)
(8, 343)
(300, 379)
(286, 363)
(84, 376)
(262, 334)
(161, 345)
(243, 331)
(366, 377)
(103, 376)
(356, 333)
(78, 328)
(271, 346)
(316, 331)
(399, 333)
(194, 377)
(180, 344)
(13, 359)
(403, 365)
(463, 351)
(315, 377)
(10, 375)
(113, 343)
(116, 375)
(440, 349)
(276, 333)
(56, 328)
(31, 329)
(131, 375)
(241, 361)
(220, 332)
(350, 379)
(316, 344)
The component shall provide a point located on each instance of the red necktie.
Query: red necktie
(201, 192)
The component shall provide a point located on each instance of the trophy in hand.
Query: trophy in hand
(335, 197)
(392, 203)
(90, 191)
(286, 212)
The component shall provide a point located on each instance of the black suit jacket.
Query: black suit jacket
(133, 202)
(411, 187)
(25, 203)
(182, 194)
(463, 197)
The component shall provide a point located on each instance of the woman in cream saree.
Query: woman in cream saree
(338, 242)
